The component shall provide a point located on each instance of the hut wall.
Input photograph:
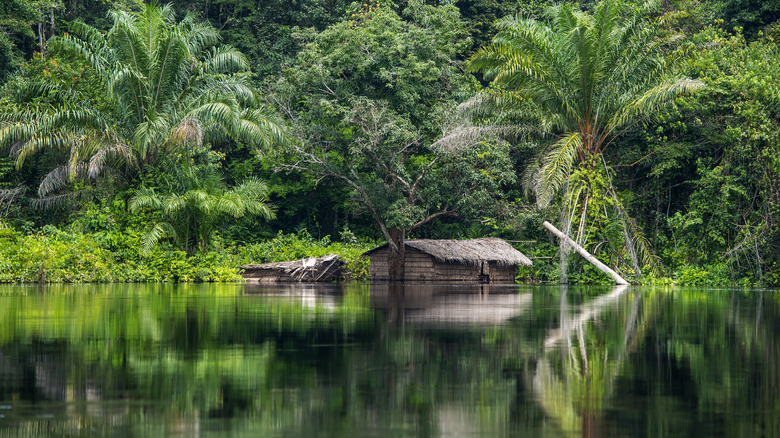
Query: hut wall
(378, 268)
(419, 266)
(457, 272)
(502, 274)
(471, 273)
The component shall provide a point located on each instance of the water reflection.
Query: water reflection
(379, 360)
(574, 393)
(437, 305)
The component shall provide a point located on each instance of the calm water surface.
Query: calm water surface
(388, 361)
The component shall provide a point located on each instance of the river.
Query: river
(388, 361)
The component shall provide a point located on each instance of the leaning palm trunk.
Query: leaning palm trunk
(602, 267)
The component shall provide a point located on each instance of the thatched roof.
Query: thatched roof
(468, 252)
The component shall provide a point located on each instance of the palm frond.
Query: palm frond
(165, 72)
(555, 165)
(188, 131)
(145, 198)
(260, 128)
(647, 105)
(224, 59)
(59, 178)
(160, 230)
(60, 201)
(149, 135)
(87, 43)
(173, 204)
(7, 197)
(119, 151)
(54, 141)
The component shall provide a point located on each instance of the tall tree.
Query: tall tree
(576, 84)
(368, 98)
(169, 84)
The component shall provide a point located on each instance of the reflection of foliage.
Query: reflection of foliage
(687, 338)
(218, 378)
(309, 364)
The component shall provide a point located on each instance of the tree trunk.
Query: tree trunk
(41, 37)
(585, 254)
(396, 256)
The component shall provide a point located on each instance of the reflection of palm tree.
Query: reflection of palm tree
(576, 397)
(709, 341)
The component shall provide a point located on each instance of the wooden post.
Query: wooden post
(593, 260)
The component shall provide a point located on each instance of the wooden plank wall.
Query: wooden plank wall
(504, 274)
(419, 266)
(453, 272)
(378, 267)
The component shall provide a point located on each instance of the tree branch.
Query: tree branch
(434, 216)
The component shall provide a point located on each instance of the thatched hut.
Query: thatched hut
(487, 260)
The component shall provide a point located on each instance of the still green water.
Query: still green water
(388, 361)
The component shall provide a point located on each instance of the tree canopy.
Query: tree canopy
(580, 81)
(369, 97)
(168, 84)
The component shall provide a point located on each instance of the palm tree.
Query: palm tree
(577, 83)
(190, 218)
(169, 84)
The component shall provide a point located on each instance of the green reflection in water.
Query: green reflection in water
(234, 360)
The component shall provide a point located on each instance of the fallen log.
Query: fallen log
(310, 269)
(585, 254)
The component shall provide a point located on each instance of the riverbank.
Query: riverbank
(52, 255)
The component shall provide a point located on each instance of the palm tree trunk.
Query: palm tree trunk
(586, 255)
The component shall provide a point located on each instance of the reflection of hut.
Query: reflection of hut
(440, 304)
(488, 260)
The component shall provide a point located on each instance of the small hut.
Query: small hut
(311, 269)
(487, 260)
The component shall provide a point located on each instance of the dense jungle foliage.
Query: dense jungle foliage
(149, 142)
